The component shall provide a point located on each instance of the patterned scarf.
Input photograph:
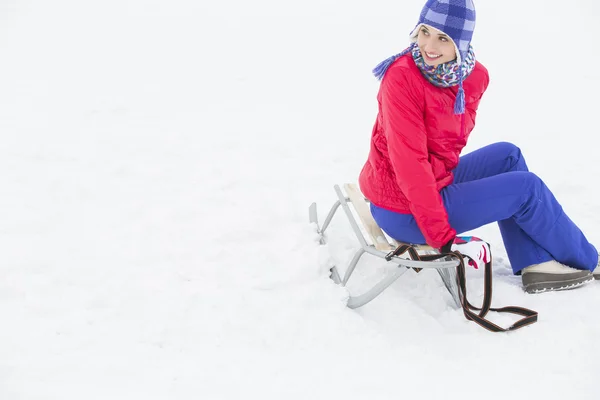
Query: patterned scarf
(445, 75)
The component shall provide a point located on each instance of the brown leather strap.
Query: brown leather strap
(529, 316)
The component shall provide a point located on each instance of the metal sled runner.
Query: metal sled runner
(380, 247)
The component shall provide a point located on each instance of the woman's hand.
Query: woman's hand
(447, 248)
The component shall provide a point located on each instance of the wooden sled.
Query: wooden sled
(380, 247)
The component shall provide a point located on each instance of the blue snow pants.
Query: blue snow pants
(493, 184)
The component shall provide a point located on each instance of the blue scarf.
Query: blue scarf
(444, 75)
(447, 74)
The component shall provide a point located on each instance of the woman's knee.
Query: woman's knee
(513, 154)
(533, 185)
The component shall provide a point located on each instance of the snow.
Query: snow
(158, 160)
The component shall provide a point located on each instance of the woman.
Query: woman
(422, 192)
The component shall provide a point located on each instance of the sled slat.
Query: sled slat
(364, 213)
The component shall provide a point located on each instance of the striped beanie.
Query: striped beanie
(456, 18)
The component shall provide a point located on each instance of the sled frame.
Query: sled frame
(380, 247)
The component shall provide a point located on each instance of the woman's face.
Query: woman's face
(436, 47)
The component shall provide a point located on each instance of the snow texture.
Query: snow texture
(157, 162)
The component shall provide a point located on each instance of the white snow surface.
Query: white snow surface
(157, 162)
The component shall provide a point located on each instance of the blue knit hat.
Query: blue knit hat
(456, 18)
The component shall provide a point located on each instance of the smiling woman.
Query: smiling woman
(436, 47)
(422, 191)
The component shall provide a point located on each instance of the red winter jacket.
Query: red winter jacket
(416, 143)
